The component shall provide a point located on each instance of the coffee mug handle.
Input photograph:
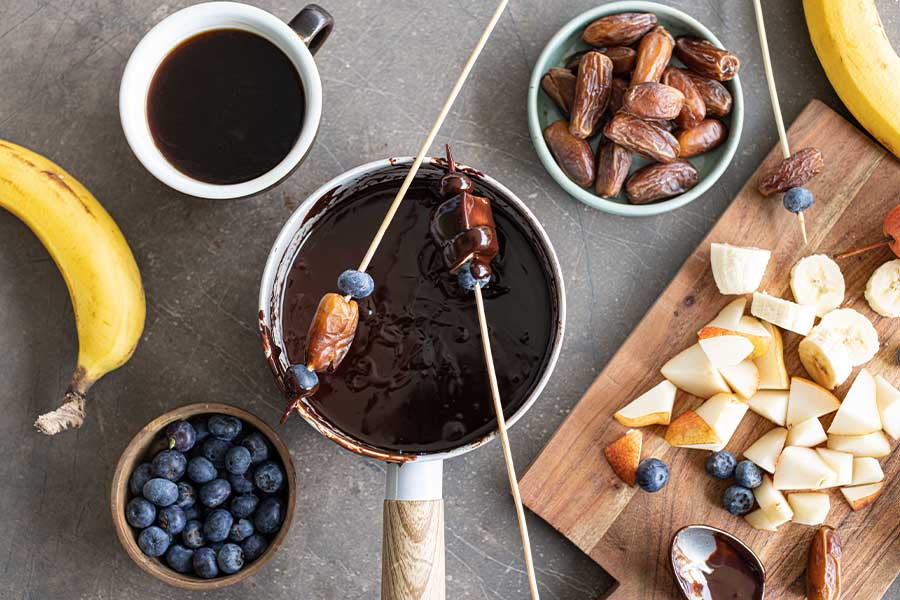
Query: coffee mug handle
(313, 24)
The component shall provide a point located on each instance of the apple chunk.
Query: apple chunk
(692, 372)
(772, 501)
(806, 433)
(873, 444)
(839, 462)
(653, 407)
(858, 414)
(689, 430)
(766, 450)
(773, 374)
(624, 455)
(724, 413)
(862, 496)
(810, 508)
(743, 378)
(801, 469)
(770, 404)
(723, 348)
(758, 519)
(807, 400)
(888, 398)
(866, 470)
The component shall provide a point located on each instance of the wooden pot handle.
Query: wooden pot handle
(412, 554)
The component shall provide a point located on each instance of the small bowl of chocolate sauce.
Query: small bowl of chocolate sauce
(711, 564)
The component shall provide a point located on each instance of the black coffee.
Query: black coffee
(225, 106)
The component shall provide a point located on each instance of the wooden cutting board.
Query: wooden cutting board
(628, 531)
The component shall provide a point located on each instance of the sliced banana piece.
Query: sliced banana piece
(738, 270)
(883, 289)
(854, 330)
(825, 358)
(817, 281)
(783, 313)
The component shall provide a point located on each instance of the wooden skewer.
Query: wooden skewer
(504, 441)
(773, 94)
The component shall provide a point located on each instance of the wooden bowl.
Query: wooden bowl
(143, 446)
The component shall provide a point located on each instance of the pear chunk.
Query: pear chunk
(624, 455)
(888, 398)
(730, 316)
(806, 433)
(690, 430)
(866, 470)
(758, 519)
(773, 502)
(858, 414)
(873, 444)
(743, 378)
(810, 508)
(653, 407)
(807, 400)
(862, 496)
(770, 404)
(724, 413)
(723, 348)
(692, 372)
(801, 469)
(766, 450)
(839, 462)
(773, 374)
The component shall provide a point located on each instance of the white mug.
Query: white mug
(298, 40)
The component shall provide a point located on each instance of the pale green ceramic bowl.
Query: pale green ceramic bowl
(542, 111)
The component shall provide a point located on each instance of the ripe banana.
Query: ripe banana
(783, 313)
(860, 63)
(854, 331)
(825, 358)
(817, 281)
(95, 261)
(737, 270)
(883, 289)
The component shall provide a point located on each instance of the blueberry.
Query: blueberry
(192, 513)
(186, 495)
(243, 506)
(201, 470)
(237, 460)
(268, 516)
(141, 475)
(172, 520)
(201, 431)
(721, 464)
(737, 500)
(240, 484)
(214, 451)
(230, 558)
(652, 474)
(216, 546)
(180, 558)
(748, 474)
(218, 525)
(139, 513)
(215, 492)
(797, 199)
(181, 436)
(268, 477)
(160, 492)
(192, 534)
(240, 531)
(169, 464)
(253, 547)
(467, 281)
(355, 283)
(302, 379)
(225, 427)
(205, 563)
(153, 541)
(258, 447)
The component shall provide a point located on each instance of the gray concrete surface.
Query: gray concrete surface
(385, 72)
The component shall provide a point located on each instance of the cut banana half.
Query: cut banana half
(854, 330)
(738, 270)
(817, 281)
(883, 289)
(826, 359)
(783, 313)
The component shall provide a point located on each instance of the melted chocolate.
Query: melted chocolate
(414, 380)
(728, 573)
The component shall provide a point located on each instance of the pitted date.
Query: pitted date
(823, 568)
(694, 109)
(656, 101)
(793, 171)
(617, 90)
(706, 59)
(331, 332)
(591, 94)
(716, 96)
(572, 154)
(559, 84)
(623, 29)
(613, 163)
(709, 134)
(653, 55)
(660, 181)
(622, 58)
(642, 137)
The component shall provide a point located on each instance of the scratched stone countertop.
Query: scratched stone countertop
(385, 71)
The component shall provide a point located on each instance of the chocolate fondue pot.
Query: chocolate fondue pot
(413, 545)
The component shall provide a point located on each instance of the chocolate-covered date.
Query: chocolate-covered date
(572, 154)
(702, 57)
(653, 54)
(622, 29)
(716, 96)
(591, 94)
(331, 332)
(823, 567)
(617, 90)
(702, 138)
(559, 84)
(693, 110)
(642, 137)
(613, 163)
(660, 181)
(650, 100)
(793, 171)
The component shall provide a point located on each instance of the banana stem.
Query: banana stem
(70, 414)
(849, 253)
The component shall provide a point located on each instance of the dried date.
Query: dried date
(622, 58)
(716, 96)
(622, 29)
(331, 332)
(693, 110)
(559, 84)
(660, 181)
(591, 94)
(572, 154)
(823, 568)
(709, 134)
(617, 90)
(652, 100)
(642, 137)
(706, 59)
(613, 163)
(793, 171)
(653, 55)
